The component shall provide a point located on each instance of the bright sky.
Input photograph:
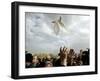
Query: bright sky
(40, 35)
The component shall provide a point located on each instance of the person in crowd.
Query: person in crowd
(41, 62)
(48, 61)
(28, 60)
(35, 61)
(71, 58)
(48, 64)
(85, 57)
(79, 58)
(48, 58)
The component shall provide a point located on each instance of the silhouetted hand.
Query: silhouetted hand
(63, 53)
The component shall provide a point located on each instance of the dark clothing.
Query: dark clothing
(58, 63)
(85, 57)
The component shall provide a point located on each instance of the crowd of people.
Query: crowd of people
(66, 57)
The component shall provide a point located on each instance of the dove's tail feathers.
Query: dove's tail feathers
(56, 28)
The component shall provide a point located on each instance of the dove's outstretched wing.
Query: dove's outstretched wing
(60, 22)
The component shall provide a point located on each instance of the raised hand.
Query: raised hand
(63, 52)
(63, 55)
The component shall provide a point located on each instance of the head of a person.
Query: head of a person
(35, 59)
(48, 57)
(28, 57)
(48, 64)
(81, 51)
(71, 51)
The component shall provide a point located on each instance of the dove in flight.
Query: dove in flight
(57, 24)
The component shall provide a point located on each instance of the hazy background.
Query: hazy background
(40, 35)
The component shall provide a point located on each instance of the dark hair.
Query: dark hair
(71, 51)
(28, 57)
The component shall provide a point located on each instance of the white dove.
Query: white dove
(57, 24)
